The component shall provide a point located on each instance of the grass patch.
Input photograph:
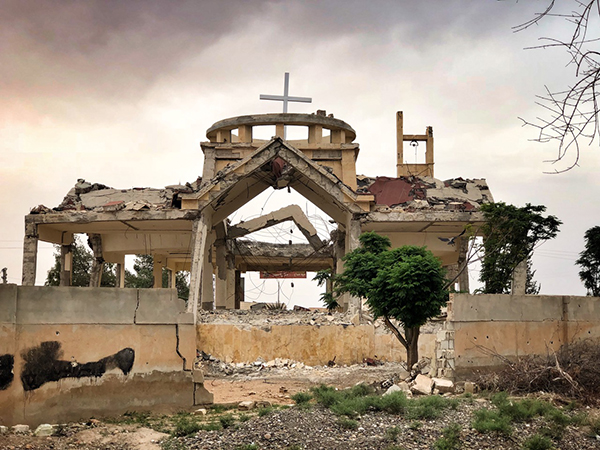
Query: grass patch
(265, 410)
(450, 439)
(429, 407)
(243, 417)
(301, 398)
(487, 421)
(226, 420)
(391, 434)
(347, 424)
(537, 442)
(185, 426)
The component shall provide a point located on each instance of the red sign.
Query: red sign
(283, 274)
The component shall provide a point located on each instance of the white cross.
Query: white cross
(285, 98)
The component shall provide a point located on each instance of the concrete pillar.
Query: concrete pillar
(280, 130)
(95, 241)
(66, 265)
(30, 245)
(399, 143)
(315, 134)
(172, 279)
(239, 289)
(207, 288)
(121, 273)
(199, 259)
(157, 269)
(463, 276)
(225, 277)
(353, 233)
(519, 279)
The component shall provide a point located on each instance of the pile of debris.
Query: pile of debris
(85, 196)
(425, 193)
(267, 317)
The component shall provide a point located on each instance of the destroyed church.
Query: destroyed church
(186, 227)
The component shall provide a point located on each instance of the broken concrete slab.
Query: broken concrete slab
(443, 385)
(422, 385)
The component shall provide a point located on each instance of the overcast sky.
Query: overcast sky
(122, 92)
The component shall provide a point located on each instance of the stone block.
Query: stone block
(470, 387)
(246, 405)
(198, 376)
(393, 388)
(44, 429)
(20, 429)
(422, 385)
(3, 429)
(443, 385)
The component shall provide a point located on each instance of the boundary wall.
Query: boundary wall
(68, 353)
(480, 326)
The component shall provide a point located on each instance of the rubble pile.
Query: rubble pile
(425, 193)
(85, 196)
(265, 317)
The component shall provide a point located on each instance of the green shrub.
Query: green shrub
(184, 426)
(537, 442)
(348, 424)
(226, 420)
(211, 426)
(243, 417)
(394, 403)
(301, 398)
(450, 439)
(391, 434)
(265, 411)
(487, 421)
(520, 410)
(427, 408)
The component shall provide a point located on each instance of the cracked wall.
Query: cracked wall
(79, 352)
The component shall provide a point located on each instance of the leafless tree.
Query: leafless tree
(571, 115)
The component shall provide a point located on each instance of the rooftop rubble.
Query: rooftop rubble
(425, 193)
(85, 196)
(403, 193)
(245, 247)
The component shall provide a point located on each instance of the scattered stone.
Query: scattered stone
(263, 404)
(422, 385)
(3, 429)
(200, 412)
(246, 405)
(392, 388)
(20, 429)
(267, 436)
(44, 429)
(443, 385)
(470, 387)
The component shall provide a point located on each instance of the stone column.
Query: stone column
(353, 233)
(239, 289)
(519, 279)
(120, 272)
(199, 257)
(95, 241)
(66, 264)
(157, 270)
(463, 276)
(225, 277)
(30, 245)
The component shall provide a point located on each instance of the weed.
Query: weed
(301, 398)
(348, 424)
(450, 439)
(172, 444)
(487, 421)
(211, 426)
(537, 442)
(243, 417)
(226, 420)
(520, 410)
(427, 408)
(218, 409)
(266, 410)
(594, 425)
(579, 419)
(391, 434)
(184, 426)
(415, 425)
(394, 403)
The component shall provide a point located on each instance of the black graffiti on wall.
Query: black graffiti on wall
(43, 364)
(7, 363)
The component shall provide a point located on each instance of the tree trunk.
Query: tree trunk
(412, 347)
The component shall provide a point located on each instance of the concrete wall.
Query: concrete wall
(514, 325)
(68, 353)
(310, 344)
